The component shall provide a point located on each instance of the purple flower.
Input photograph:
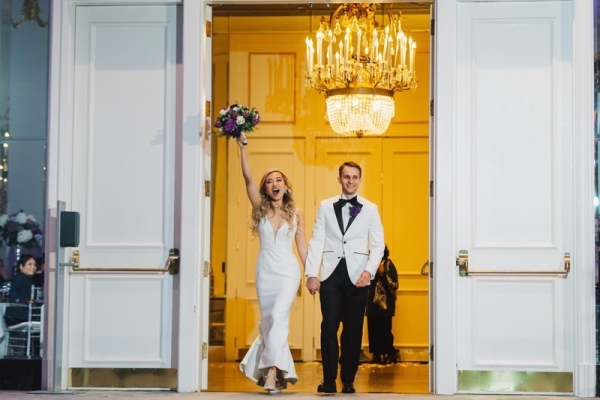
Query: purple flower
(229, 126)
(354, 210)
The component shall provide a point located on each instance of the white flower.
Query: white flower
(31, 218)
(21, 218)
(3, 219)
(24, 236)
(223, 111)
(240, 120)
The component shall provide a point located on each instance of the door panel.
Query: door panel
(123, 185)
(405, 211)
(514, 192)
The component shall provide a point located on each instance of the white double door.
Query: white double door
(504, 190)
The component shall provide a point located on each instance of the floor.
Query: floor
(103, 395)
(405, 381)
(406, 378)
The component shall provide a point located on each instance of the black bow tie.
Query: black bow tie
(353, 201)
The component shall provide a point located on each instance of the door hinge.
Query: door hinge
(431, 269)
(430, 188)
(204, 350)
(207, 108)
(208, 29)
(206, 269)
(432, 26)
(206, 188)
(431, 104)
(431, 353)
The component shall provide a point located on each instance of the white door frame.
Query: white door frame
(194, 57)
(445, 250)
(60, 139)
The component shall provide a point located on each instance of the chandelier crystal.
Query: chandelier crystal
(360, 71)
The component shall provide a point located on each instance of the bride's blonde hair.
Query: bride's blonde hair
(288, 207)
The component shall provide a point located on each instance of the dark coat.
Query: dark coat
(20, 292)
(382, 291)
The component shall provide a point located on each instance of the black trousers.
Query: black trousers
(341, 301)
(381, 339)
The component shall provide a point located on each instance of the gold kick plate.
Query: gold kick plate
(462, 262)
(483, 382)
(123, 378)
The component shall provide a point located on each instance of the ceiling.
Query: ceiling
(275, 9)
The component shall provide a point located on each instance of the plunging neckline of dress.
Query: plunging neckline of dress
(275, 231)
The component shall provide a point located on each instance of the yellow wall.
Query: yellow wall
(396, 166)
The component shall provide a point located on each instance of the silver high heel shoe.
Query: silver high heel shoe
(271, 387)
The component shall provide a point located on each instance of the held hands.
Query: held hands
(364, 279)
(313, 285)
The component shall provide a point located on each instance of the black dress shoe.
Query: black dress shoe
(348, 388)
(327, 387)
(391, 358)
(376, 359)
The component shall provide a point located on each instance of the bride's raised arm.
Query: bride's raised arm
(251, 187)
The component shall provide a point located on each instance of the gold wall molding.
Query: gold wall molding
(272, 86)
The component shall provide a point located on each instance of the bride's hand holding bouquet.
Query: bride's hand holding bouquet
(236, 120)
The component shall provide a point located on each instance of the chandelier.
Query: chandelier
(359, 65)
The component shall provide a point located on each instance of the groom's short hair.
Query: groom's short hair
(351, 164)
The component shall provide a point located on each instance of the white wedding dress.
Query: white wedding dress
(277, 282)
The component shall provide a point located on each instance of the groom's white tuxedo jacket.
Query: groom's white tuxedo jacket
(361, 244)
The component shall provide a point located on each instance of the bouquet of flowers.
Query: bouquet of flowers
(236, 120)
(20, 229)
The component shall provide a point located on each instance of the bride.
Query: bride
(278, 223)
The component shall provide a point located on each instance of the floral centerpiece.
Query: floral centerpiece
(20, 229)
(236, 120)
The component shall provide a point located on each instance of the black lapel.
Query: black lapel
(352, 219)
(338, 215)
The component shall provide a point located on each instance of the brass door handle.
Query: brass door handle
(171, 265)
(462, 262)
(424, 268)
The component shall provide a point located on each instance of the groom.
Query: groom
(346, 246)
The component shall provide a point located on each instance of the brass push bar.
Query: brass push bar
(171, 265)
(462, 261)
